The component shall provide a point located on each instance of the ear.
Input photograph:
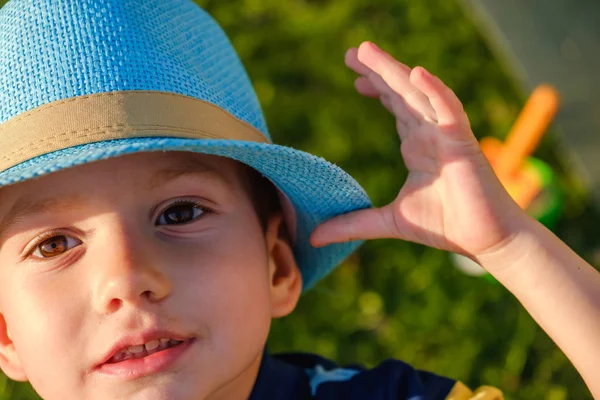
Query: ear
(284, 276)
(9, 360)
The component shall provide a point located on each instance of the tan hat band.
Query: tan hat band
(116, 115)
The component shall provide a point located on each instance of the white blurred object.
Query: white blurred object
(467, 265)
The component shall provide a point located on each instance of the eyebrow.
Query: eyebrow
(186, 166)
(27, 208)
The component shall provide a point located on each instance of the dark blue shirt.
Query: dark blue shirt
(307, 376)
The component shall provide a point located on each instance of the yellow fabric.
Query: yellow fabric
(461, 392)
(116, 115)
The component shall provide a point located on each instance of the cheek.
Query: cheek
(227, 284)
(44, 318)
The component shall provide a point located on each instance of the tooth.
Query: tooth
(153, 344)
(164, 340)
(141, 354)
(121, 356)
(136, 349)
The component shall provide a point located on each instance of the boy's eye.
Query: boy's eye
(54, 246)
(180, 214)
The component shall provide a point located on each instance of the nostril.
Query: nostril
(115, 304)
(149, 294)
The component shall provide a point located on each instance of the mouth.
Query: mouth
(152, 354)
(143, 350)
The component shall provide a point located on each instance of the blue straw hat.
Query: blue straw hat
(87, 80)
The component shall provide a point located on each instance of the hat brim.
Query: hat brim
(317, 189)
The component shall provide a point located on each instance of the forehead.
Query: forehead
(148, 169)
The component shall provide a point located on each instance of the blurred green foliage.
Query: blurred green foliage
(393, 299)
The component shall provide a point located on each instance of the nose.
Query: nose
(128, 270)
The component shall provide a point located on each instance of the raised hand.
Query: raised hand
(451, 199)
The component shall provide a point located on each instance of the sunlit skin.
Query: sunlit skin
(153, 241)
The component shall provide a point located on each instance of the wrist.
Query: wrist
(507, 260)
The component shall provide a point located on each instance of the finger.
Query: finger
(372, 85)
(372, 223)
(352, 62)
(376, 81)
(391, 101)
(370, 82)
(448, 108)
(403, 129)
(405, 116)
(396, 75)
(394, 103)
(365, 87)
(387, 103)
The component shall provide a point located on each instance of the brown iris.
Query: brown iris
(180, 214)
(54, 246)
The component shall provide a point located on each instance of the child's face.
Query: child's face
(128, 251)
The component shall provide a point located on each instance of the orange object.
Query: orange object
(528, 130)
(509, 160)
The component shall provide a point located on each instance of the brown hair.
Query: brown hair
(263, 195)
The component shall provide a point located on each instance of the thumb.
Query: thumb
(371, 223)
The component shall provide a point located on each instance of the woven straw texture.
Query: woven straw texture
(56, 49)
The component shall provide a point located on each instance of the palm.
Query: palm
(444, 202)
(451, 199)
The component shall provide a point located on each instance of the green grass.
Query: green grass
(395, 299)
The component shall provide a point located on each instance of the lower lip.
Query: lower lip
(152, 364)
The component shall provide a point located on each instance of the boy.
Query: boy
(143, 257)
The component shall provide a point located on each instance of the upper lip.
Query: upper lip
(139, 339)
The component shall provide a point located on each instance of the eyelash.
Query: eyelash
(184, 201)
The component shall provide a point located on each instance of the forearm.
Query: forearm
(559, 289)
